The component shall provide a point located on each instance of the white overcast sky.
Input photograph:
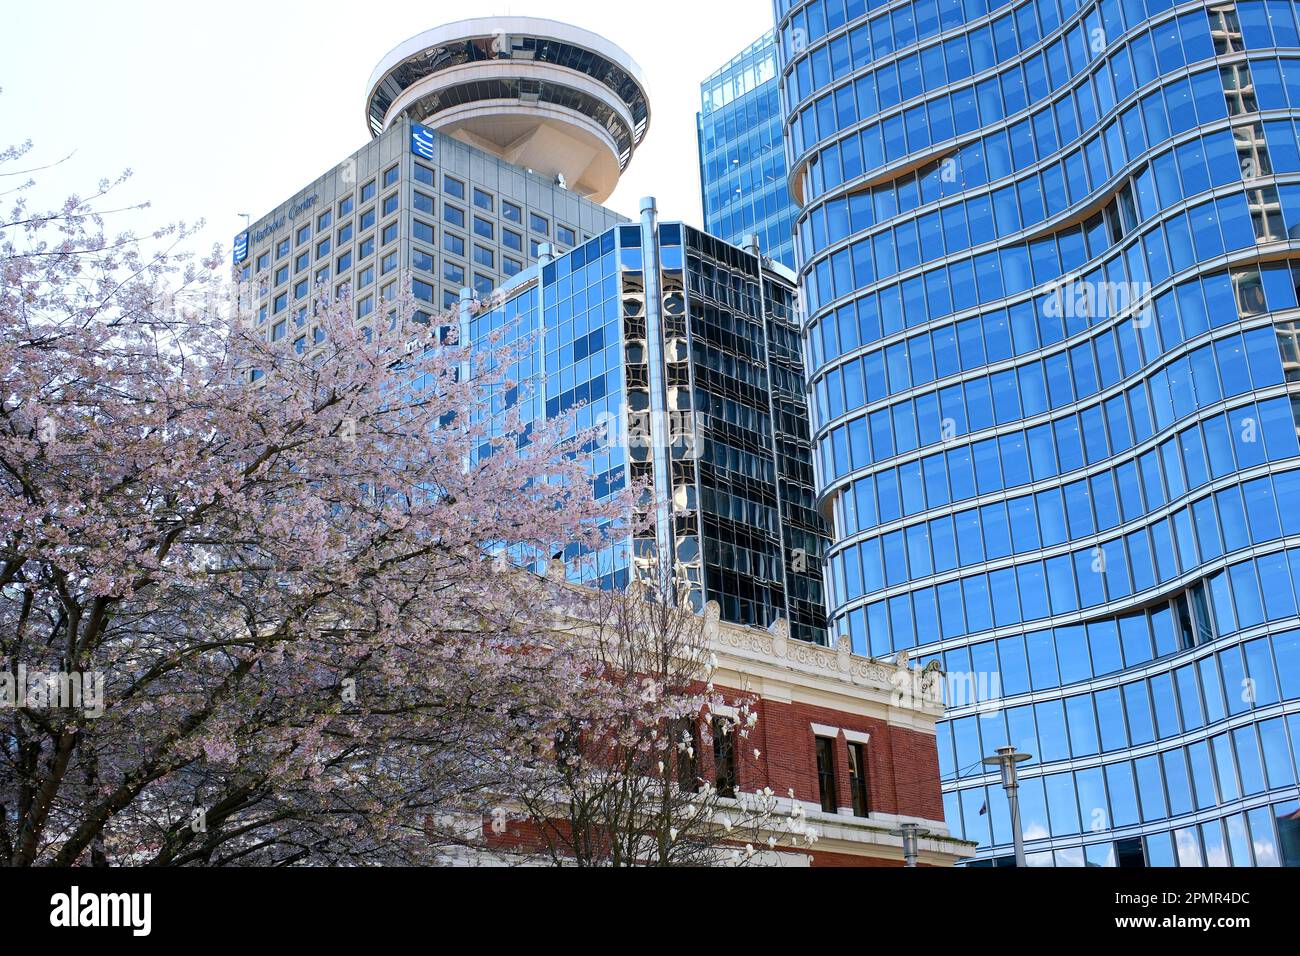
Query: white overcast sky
(230, 107)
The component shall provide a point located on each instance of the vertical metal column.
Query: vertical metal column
(659, 430)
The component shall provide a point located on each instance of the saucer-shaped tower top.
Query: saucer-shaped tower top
(540, 94)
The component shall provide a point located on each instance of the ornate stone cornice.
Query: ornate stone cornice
(772, 653)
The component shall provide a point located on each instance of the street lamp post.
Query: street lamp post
(1006, 759)
(911, 833)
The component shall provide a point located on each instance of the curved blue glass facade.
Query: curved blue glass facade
(742, 153)
(1049, 256)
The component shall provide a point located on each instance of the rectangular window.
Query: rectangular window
(453, 244)
(389, 234)
(390, 176)
(566, 235)
(858, 779)
(390, 204)
(510, 266)
(325, 220)
(826, 772)
(368, 191)
(304, 233)
(422, 231)
(724, 757)
(346, 206)
(539, 224)
(512, 240)
(367, 219)
(423, 174)
(482, 200)
(453, 215)
(484, 257)
(483, 227)
(512, 212)
(453, 187)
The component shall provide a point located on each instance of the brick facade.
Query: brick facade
(902, 764)
(799, 692)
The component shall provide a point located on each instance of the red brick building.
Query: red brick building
(853, 737)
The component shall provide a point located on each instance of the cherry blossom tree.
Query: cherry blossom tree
(284, 562)
(639, 766)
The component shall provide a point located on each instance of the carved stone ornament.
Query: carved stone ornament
(780, 631)
(844, 652)
(712, 617)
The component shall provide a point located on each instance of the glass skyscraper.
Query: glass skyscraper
(493, 142)
(1050, 254)
(742, 153)
(684, 352)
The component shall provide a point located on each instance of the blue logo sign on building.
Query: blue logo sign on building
(421, 141)
(241, 247)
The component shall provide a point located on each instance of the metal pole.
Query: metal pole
(1006, 760)
(1013, 799)
(661, 445)
(910, 832)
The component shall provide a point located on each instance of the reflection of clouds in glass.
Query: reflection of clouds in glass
(1265, 853)
(1036, 831)
(1217, 855)
(1070, 857)
(1039, 859)
(1189, 848)
(1101, 854)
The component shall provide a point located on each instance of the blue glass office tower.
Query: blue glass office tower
(684, 351)
(742, 153)
(1049, 256)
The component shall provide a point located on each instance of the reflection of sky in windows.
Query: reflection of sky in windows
(1084, 495)
(568, 330)
(742, 154)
